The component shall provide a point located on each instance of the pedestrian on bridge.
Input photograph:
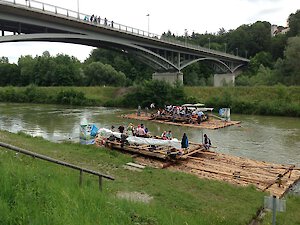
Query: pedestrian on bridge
(92, 18)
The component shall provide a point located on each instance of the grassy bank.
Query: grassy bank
(264, 100)
(275, 100)
(37, 192)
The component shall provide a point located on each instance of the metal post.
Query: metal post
(237, 51)
(274, 211)
(148, 15)
(100, 183)
(208, 43)
(225, 47)
(80, 178)
(78, 9)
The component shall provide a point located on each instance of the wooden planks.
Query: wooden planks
(209, 124)
(162, 152)
(241, 171)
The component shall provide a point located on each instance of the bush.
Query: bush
(158, 92)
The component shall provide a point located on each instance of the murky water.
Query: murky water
(272, 139)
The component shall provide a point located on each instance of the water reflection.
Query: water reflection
(273, 139)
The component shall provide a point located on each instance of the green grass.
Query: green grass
(262, 100)
(37, 192)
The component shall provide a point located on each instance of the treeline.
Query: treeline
(275, 100)
(273, 60)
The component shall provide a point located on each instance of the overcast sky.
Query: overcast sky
(199, 16)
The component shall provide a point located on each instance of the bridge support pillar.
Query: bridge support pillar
(169, 77)
(227, 79)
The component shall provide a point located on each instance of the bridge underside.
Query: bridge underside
(18, 24)
(161, 58)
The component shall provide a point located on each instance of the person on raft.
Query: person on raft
(184, 141)
(207, 142)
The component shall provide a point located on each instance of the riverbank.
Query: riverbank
(276, 100)
(54, 195)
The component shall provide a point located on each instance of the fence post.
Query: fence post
(80, 178)
(100, 183)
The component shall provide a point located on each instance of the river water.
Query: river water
(265, 138)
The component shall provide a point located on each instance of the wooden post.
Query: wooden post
(100, 183)
(80, 178)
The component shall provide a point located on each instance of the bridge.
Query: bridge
(36, 21)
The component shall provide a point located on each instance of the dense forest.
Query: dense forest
(273, 60)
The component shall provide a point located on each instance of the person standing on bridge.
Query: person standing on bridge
(92, 18)
(105, 21)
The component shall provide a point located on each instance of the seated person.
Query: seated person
(207, 142)
(164, 135)
(169, 135)
(140, 132)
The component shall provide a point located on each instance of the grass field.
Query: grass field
(37, 192)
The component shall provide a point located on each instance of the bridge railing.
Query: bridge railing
(103, 22)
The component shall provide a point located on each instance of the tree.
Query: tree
(261, 58)
(278, 44)
(289, 68)
(9, 74)
(26, 65)
(98, 73)
(4, 59)
(122, 62)
(294, 24)
(66, 71)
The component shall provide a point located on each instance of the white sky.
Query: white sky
(199, 16)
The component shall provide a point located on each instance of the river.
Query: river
(266, 138)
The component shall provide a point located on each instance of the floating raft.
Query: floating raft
(159, 152)
(268, 177)
(212, 123)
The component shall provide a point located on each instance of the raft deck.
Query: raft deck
(276, 179)
(159, 152)
(211, 123)
(273, 178)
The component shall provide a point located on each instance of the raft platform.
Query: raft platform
(211, 123)
(158, 152)
(276, 179)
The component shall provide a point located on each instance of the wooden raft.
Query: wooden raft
(209, 124)
(161, 152)
(268, 177)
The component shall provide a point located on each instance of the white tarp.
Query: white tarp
(106, 133)
(140, 140)
(152, 141)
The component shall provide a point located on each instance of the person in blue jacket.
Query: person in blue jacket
(184, 141)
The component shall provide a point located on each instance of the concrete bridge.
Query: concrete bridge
(37, 21)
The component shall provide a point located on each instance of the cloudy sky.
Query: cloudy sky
(199, 16)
